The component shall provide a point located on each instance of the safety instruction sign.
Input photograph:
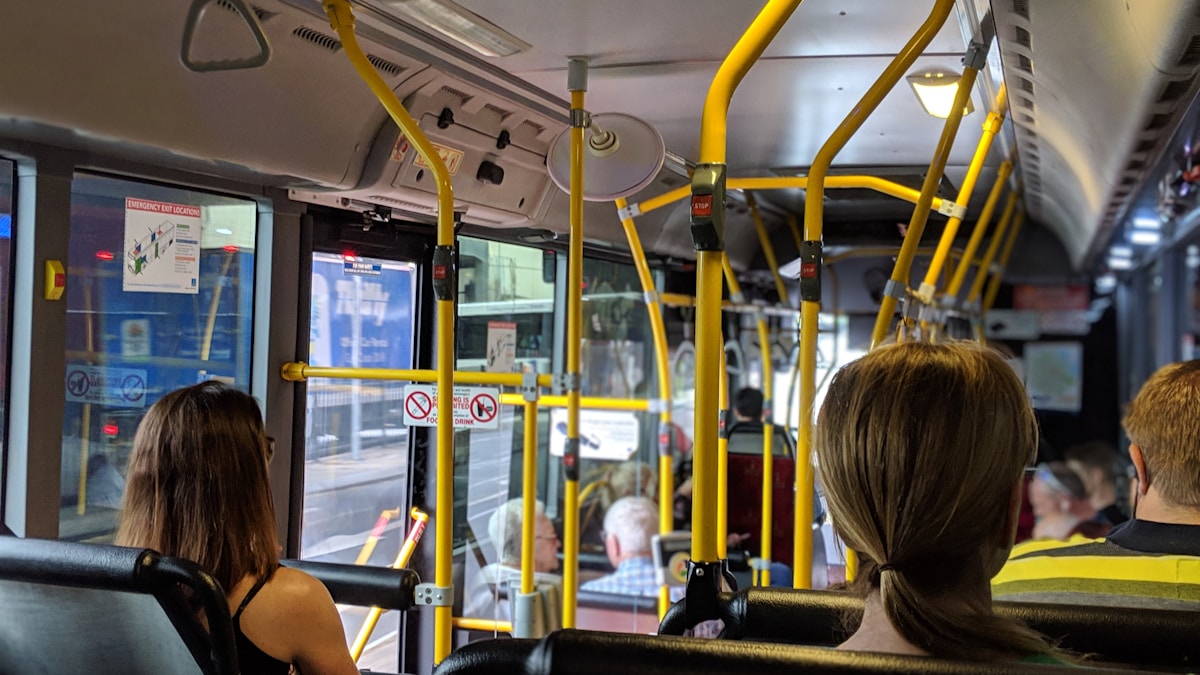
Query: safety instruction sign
(162, 247)
(611, 435)
(501, 346)
(116, 387)
(474, 407)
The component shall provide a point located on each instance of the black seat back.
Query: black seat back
(82, 608)
(594, 653)
(363, 586)
(1148, 637)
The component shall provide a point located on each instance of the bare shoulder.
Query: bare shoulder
(294, 619)
(298, 588)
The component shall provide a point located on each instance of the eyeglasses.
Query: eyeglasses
(1046, 475)
(270, 449)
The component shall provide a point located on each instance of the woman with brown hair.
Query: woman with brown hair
(921, 450)
(197, 489)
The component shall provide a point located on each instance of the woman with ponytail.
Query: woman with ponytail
(921, 450)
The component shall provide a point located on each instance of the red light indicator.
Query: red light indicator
(104, 255)
(230, 248)
(348, 256)
(111, 429)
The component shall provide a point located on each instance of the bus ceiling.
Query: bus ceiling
(1096, 89)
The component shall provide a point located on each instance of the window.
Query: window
(6, 220)
(160, 296)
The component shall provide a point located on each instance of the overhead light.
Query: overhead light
(1147, 223)
(1106, 283)
(1120, 263)
(936, 90)
(224, 230)
(460, 24)
(1144, 237)
(1121, 252)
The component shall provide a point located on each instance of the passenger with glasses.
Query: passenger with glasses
(1060, 505)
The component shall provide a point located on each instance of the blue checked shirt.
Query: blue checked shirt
(635, 576)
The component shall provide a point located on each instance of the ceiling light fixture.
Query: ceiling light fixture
(1147, 223)
(1144, 237)
(460, 24)
(936, 90)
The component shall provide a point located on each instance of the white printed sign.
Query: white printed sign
(162, 247)
(501, 346)
(603, 434)
(474, 407)
(135, 337)
(118, 387)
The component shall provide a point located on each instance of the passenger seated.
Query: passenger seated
(1154, 559)
(629, 528)
(1095, 463)
(484, 599)
(1060, 505)
(198, 489)
(922, 449)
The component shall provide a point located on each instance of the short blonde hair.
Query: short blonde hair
(1164, 421)
(921, 447)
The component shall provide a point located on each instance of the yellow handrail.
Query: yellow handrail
(341, 18)
(898, 284)
(577, 84)
(528, 500)
(814, 215)
(994, 284)
(298, 371)
(658, 331)
(489, 625)
(993, 246)
(764, 241)
(981, 226)
(991, 127)
(420, 519)
(709, 344)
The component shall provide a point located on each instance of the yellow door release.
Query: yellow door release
(56, 279)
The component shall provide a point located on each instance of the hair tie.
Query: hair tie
(887, 567)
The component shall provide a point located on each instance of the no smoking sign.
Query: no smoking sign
(474, 407)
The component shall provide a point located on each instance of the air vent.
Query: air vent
(498, 111)
(1135, 165)
(1027, 119)
(534, 127)
(1026, 85)
(261, 13)
(1145, 146)
(1191, 54)
(1024, 63)
(1032, 156)
(412, 207)
(1030, 133)
(1128, 179)
(462, 97)
(1021, 8)
(385, 65)
(1175, 90)
(318, 38)
(1024, 38)
(1025, 102)
(1157, 121)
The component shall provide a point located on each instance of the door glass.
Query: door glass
(161, 295)
(6, 220)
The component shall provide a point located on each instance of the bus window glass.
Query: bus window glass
(505, 325)
(161, 296)
(1191, 331)
(6, 221)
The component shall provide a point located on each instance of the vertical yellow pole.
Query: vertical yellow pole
(898, 284)
(991, 127)
(981, 226)
(994, 284)
(577, 84)
(445, 282)
(723, 463)
(985, 264)
(85, 431)
(708, 215)
(529, 496)
(666, 433)
(768, 250)
(810, 274)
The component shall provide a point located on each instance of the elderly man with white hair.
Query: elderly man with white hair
(629, 526)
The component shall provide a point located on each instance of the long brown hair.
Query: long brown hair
(197, 486)
(920, 448)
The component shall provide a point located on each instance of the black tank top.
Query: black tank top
(251, 659)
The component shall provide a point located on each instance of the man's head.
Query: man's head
(748, 404)
(1095, 463)
(1054, 490)
(629, 526)
(1163, 425)
(504, 527)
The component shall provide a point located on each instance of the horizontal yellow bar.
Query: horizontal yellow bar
(299, 372)
(886, 187)
(466, 623)
(588, 402)
(681, 300)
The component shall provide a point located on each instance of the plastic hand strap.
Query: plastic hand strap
(189, 31)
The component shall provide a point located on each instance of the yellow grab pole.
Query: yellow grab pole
(299, 371)
(981, 226)
(897, 286)
(529, 497)
(723, 462)
(489, 625)
(577, 84)
(420, 519)
(985, 263)
(994, 284)
(810, 274)
(708, 234)
(368, 548)
(445, 283)
(768, 466)
(768, 250)
(85, 430)
(794, 226)
(666, 433)
(991, 127)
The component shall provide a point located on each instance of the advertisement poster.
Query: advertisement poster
(501, 346)
(1054, 375)
(162, 247)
